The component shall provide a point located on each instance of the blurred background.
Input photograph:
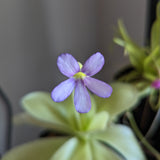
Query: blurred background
(33, 34)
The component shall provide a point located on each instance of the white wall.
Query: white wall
(34, 33)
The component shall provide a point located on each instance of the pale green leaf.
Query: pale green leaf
(154, 99)
(41, 106)
(130, 76)
(62, 115)
(82, 152)
(155, 34)
(81, 121)
(41, 149)
(99, 121)
(151, 64)
(155, 31)
(66, 151)
(25, 118)
(123, 98)
(136, 53)
(121, 138)
(119, 41)
(100, 152)
(158, 10)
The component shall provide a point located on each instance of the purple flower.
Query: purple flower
(79, 78)
(156, 84)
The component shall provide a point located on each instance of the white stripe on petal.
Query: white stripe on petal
(63, 90)
(94, 64)
(81, 98)
(67, 64)
(98, 87)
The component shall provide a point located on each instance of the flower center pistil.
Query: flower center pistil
(79, 75)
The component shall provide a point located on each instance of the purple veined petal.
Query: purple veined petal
(63, 90)
(156, 84)
(98, 87)
(94, 64)
(82, 100)
(67, 64)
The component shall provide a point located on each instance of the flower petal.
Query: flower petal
(98, 87)
(68, 65)
(156, 84)
(81, 98)
(94, 64)
(63, 90)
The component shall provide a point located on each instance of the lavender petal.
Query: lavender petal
(81, 98)
(94, 64)
(63, 90)
(98, 87)
(68, 65)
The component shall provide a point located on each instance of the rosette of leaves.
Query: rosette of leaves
(90, 136)
(145, 61)
(143, 71)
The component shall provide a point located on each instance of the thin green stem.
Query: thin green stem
(141, 137)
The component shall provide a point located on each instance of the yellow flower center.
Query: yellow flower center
(79, 75)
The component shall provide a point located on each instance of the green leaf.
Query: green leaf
(90, 149)
(82, 121)
(119, 41)
(121, 138)
(136, 53)
(152, 64)
(155, 31)
(41, 106)
(123, 98)
(130, 76)
(154, 99)
(25, 118)
(158, 10)
(66, 151)
(83, 151)
(100, 152)
(99, 121)
(41, 149)
(63, 116)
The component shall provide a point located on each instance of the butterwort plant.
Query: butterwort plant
(91, 136)
(80, 78)
(144, 72)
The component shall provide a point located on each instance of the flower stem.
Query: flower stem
(141, 137)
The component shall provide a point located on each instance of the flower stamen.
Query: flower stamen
(79, 75)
